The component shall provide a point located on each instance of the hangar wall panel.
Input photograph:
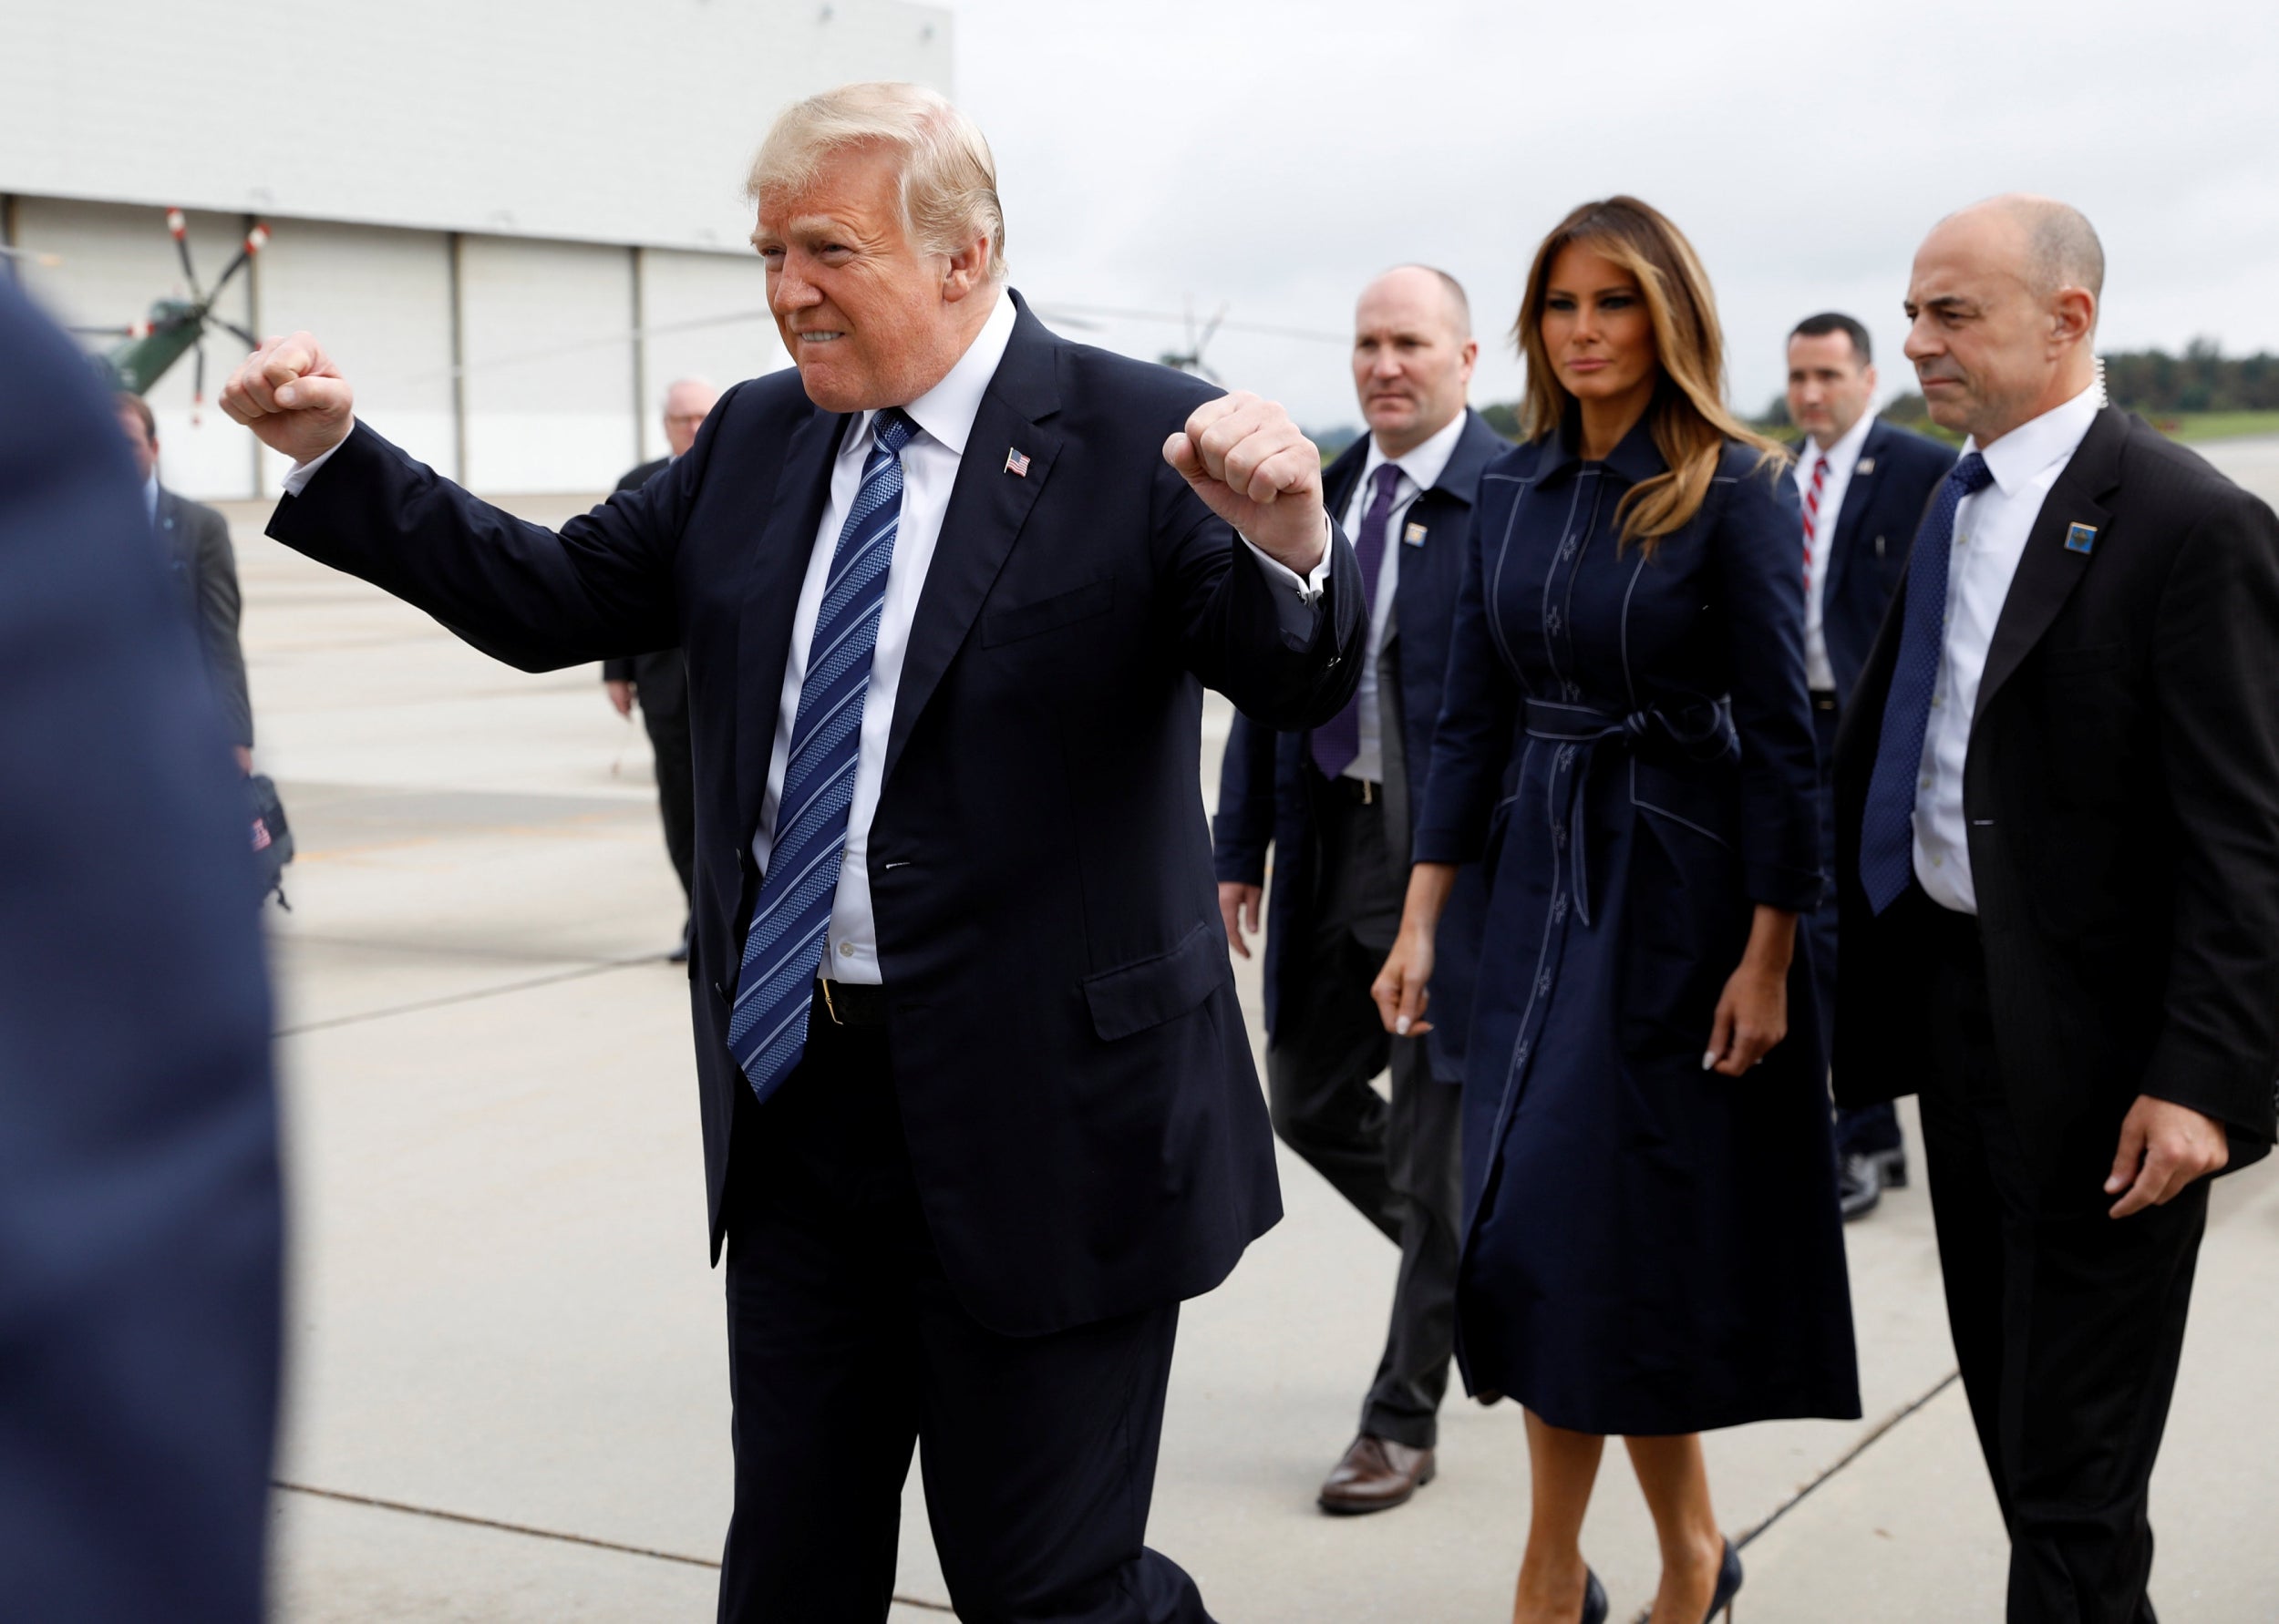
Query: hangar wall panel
(380, 303)
(549, 354)
(706, 315)
(626, 121)
(114, 260)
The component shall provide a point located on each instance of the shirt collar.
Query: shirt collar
(947, 410)
(2028, 450)
(1845, 452)
(1423, 464)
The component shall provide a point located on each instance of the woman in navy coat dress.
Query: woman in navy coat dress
(1652, 1242)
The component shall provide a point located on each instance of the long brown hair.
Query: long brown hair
(1687, 416)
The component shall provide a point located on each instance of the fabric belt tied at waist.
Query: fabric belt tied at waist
(1701, 732)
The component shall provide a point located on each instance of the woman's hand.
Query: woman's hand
(1399, 988)
(1753, 1013)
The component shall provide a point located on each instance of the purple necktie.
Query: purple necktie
(1337, 741)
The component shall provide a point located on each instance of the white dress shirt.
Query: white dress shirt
(1419, 468)
(944, 417)
(1842, 458)
(150, 495)
(1990, 533)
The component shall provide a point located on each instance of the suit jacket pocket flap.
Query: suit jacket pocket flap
(1133, 997)
(1016, 620)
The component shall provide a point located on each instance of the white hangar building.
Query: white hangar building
(513, 222)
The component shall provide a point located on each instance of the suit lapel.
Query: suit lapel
(2047, 570)
(1858, 492)
(988, 505)
(771, 599)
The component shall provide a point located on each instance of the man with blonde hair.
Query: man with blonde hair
(979, 1110)
(2058, 862)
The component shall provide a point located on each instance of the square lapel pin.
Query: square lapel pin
(1016, 462)
(2080, 538)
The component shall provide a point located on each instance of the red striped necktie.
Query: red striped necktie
(1812, 512)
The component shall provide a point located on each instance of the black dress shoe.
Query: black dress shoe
(1593, 1599)
(1375, 1475)
(1729, 1582)
(1863, 1177)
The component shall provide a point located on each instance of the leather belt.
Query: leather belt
(849, 1003)
(1361, 792)
(1701, 732)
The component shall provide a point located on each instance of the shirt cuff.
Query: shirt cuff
(1308, 588)
(297, 477)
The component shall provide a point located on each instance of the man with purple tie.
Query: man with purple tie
(1334, 804)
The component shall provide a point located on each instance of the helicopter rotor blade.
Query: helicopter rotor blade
(198, 386)
(105, 332)
(255, 240)
(178, 226)
(236, 332)
(1210, 328)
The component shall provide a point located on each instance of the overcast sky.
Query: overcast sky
(1273, 156)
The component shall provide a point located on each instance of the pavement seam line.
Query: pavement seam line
(467, 1520)
(448, 999)
(1838, 1465)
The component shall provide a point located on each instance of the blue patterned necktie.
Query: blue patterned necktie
(1338, 742)
(1887, 829)
(767, 1027)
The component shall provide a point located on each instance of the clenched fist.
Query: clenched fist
(291, 396)
(1246, 459)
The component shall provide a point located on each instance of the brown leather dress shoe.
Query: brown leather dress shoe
(1376, 1475)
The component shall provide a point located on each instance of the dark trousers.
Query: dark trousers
(661, 687)
(2069, 1324)
(846, 1347)
(1869, 1128)
(1400, 1164)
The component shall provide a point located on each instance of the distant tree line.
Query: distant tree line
(2151, 382)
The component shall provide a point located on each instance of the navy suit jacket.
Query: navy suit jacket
(1263, 795)
(1084, 1121)
(197, 542)
(140, 1223)
(1891, 486)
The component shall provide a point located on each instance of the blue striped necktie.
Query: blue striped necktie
(1887, 826)
(767, 1027)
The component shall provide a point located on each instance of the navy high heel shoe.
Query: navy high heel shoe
(1728, 1583)
(1593, 1599)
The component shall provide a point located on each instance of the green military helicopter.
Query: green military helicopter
(175, 327)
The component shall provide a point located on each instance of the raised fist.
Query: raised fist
(291, 396)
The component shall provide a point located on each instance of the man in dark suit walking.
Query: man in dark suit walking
(1862, 486)
(204, 573)
(142, 1267)
(657, 680)
(2058, 805)
(1334, 803)
(979, 1111)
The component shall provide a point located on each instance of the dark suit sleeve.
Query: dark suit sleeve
(1245, 631)
(1760, 568)
(1471, 743)
(534, 597)
(140, 1218)
(2216, 690)
(618, 670)
(1244, 826)
(218, 609)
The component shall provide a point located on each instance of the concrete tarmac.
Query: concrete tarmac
(508, 1384)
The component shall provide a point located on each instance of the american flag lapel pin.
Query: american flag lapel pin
(1016, 462)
